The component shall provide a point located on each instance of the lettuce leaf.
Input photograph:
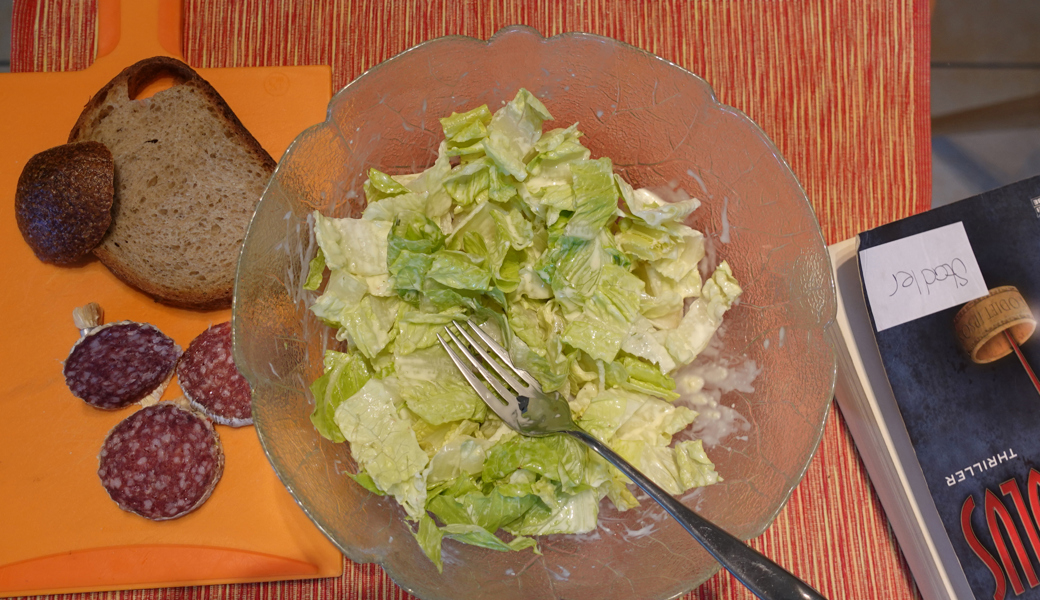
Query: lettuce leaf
(380, 185)
(443, 400)
(595, 198)
(315, 272)
(704, 316)
(459, 270)
(461, 456)
(470, 183)
(389, 208)
(490, 511)
(344, 375)
(576, 514)
(675, 469)
(651, 209)
(559, 458)
(513, 131)
(369, 327)
(429, 537)
(356, 245)
(384, 445)
(464, 132)
(342, 294)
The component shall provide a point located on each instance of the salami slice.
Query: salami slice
(161, 462)
(211, 382)
(116, 365)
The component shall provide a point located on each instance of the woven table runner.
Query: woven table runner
(840, 86)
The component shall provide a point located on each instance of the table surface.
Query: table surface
(841, 87)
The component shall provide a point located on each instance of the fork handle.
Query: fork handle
(763, 577)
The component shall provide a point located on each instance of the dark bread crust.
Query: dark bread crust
(138, 75)
(150, 251)
(63, 201)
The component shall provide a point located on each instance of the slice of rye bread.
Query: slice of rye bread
(188, 176)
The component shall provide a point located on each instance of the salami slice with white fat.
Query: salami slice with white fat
(210, 380)
(115, 365)
(161, 462)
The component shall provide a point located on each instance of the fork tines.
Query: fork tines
(470, 350)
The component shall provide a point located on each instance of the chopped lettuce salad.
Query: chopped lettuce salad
(595, 289)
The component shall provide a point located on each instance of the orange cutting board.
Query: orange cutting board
(59, 531)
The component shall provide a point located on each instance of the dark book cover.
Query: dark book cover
(976, 427)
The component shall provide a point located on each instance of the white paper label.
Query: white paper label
(921, 274)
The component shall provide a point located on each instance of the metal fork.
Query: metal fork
(519, 401)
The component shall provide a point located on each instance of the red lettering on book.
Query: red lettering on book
(980, 550)
(1010, 488)
(1032, 489)
(994, 510)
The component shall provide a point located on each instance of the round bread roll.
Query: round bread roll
(63, 202)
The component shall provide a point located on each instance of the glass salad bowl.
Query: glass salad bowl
(662, 126)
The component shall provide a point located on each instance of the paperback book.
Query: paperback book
(936, 352)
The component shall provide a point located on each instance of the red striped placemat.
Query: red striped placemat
(840, 86)
(53, 35)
